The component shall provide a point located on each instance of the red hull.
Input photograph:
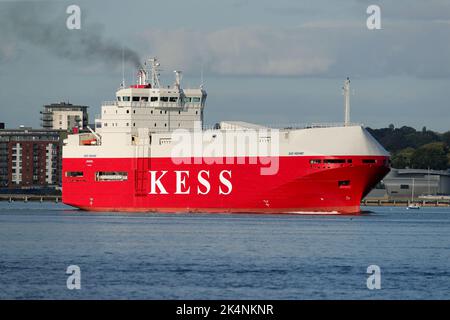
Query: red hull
(297, 187)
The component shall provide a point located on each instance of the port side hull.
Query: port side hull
(297, 187)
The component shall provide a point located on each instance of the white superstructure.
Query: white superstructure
(149, 105)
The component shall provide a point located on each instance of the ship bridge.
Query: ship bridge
(148, 104)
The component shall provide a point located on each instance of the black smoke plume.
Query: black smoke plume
(43, 24)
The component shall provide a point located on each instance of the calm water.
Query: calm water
(135, 256)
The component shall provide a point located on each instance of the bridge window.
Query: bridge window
(173, 99)
(111, 176)
(164, 99)
(315, 161)
(118, 99)
(369, 161)
(153, 99)
(126, 98)
(196, 99)
(135, 98)
(144, 99)
(187, 99)
(404, 186)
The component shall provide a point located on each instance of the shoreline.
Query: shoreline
(364, 203)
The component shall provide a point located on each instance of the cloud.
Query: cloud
(329, 48)
(239, 51)
(430, 10)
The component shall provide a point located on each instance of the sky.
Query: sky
(269, 62)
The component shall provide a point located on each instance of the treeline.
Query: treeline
(410, 148)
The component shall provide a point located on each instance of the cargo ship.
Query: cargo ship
(151, 152)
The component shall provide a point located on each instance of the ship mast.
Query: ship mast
(154, 67)
(346, 89)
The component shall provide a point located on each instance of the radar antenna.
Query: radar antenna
(201, 78)
(178, 77)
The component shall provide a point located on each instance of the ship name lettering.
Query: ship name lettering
(183, 183)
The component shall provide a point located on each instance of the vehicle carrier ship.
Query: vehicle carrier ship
(150, 152)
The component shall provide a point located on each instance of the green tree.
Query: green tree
(402, 159)
(446, 138)
(432, 155)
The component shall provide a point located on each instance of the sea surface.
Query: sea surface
(224, 256)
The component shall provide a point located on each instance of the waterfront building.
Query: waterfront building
(64, 116)
(30, 158)
(420, 184)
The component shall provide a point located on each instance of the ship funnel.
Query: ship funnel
(142, 77)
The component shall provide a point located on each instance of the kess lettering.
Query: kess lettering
(181, 182)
